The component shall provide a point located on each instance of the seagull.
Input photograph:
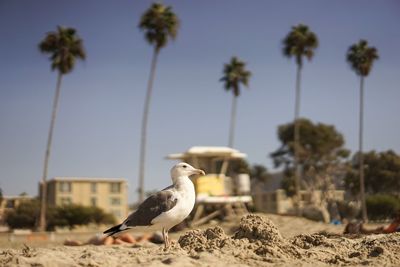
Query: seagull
(166, 208)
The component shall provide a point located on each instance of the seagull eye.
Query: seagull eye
(184, 166)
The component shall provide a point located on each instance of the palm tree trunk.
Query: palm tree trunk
(297, 171)
(143, 138)
(43, 202)
(233, 121)
(361, 155)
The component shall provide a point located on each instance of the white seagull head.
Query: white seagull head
(183, 169)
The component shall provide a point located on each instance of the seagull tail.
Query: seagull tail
(115, 230)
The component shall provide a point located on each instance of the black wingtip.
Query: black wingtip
(113, 230)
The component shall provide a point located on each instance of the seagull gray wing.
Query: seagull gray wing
(152, 207)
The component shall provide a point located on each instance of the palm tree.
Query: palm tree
(361, 58)
(1, 196)
(64, 47)
(299, 43)
(159, 24)
(234, 74)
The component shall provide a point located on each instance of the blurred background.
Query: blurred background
(97, 133)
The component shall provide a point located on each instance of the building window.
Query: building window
(65, 201)
(115, 187)
(93, 201)
(115, 201)
(65, 187)
(93, 187)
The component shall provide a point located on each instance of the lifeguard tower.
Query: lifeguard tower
(216, 193)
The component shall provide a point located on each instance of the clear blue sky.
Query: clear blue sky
(97, 131)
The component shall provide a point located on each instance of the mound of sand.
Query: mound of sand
(254, 227)
(257, 241)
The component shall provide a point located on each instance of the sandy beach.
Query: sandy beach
(253, 240)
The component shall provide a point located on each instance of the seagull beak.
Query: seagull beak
(199, 172)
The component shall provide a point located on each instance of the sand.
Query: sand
(254, 241)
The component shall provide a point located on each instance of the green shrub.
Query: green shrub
(26, 216)
(72, 215)
(99, 216)
(382, 206)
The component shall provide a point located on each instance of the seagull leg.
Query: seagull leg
(165, 237)
(168, 242)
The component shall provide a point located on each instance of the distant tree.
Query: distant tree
(159, 24)
(300, 42)
(259, 173)
(64, 47)
(361, 58)
(234, 74)
(382, 206)
(382, 173)
(24, 216)
(321, 153)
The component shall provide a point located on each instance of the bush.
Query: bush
(72, 215)
(24, 216)
(99, 216)
(382, 206)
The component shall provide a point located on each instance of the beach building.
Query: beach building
(109, 194)
(269, 196)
